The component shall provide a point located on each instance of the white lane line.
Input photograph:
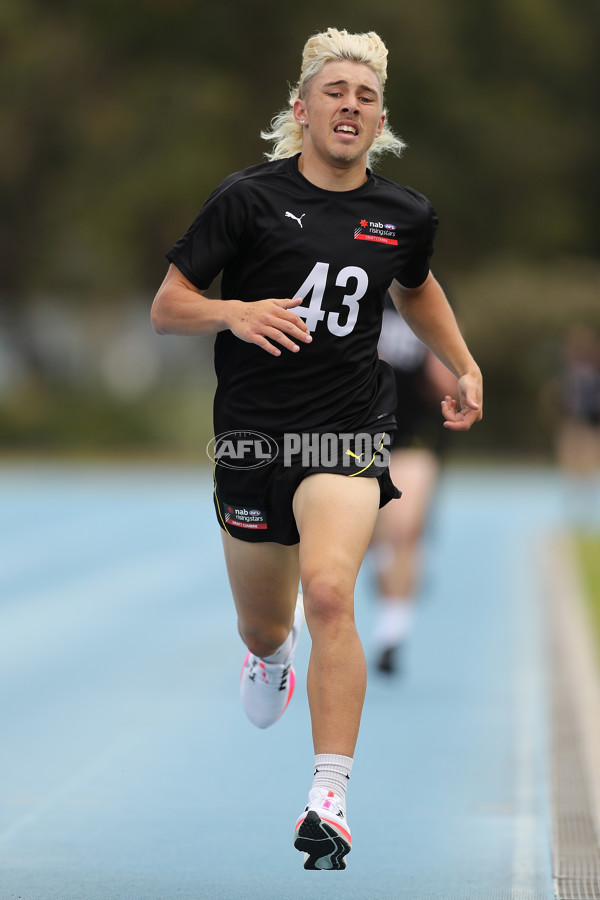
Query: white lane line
(46, 619)
(93, 767)
(530, 870)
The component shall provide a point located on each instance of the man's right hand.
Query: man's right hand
(262, 321)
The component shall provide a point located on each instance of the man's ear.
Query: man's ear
(300, 114)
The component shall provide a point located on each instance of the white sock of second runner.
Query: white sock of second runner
(394, 621)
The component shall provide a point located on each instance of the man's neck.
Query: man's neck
(331, 177)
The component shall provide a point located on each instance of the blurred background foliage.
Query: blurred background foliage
(117, 119)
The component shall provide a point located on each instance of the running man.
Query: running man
(417, 447)
(308, 243)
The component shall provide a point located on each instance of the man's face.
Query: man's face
(343, 112)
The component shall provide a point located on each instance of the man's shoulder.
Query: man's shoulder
(262, 173)
(402, 194)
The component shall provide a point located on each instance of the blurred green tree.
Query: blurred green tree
(118, 119)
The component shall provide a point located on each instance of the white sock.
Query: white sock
(282, 653)
(332, 773)
(394, 621)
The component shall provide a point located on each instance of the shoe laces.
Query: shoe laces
(272, 675)
(326, 802)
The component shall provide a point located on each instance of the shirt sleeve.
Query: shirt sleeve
(213, 238)
(416, 268)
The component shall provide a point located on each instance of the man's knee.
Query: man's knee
(407, 534)
(328, 601)
(262, 638)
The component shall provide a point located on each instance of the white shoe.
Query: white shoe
(266, 688)
(323, 833)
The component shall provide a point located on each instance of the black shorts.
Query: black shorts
(423, 433)
(253, 502)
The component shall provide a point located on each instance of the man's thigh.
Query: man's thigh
(264, 578)
(335, 515)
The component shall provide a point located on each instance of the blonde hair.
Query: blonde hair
(324, 47)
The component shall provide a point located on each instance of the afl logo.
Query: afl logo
(242, 449)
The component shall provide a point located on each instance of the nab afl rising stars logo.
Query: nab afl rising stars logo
(377, 232)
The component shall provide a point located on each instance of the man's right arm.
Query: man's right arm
(181, 308)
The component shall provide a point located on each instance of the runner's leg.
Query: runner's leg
(398, 550)
(400, 525)
(335, 515)
(264, 582)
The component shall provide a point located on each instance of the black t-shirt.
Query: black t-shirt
(273, 234)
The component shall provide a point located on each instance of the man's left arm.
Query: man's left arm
(427, 312)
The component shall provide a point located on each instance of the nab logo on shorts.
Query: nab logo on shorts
(242, 517)
(242, 449)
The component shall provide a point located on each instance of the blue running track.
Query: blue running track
(128, 770)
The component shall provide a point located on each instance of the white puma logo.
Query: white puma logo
(298, 220)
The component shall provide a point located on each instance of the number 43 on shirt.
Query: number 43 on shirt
(315, 284)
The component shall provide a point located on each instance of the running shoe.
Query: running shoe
(266, 688)
(323, 833)
(388, 662)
